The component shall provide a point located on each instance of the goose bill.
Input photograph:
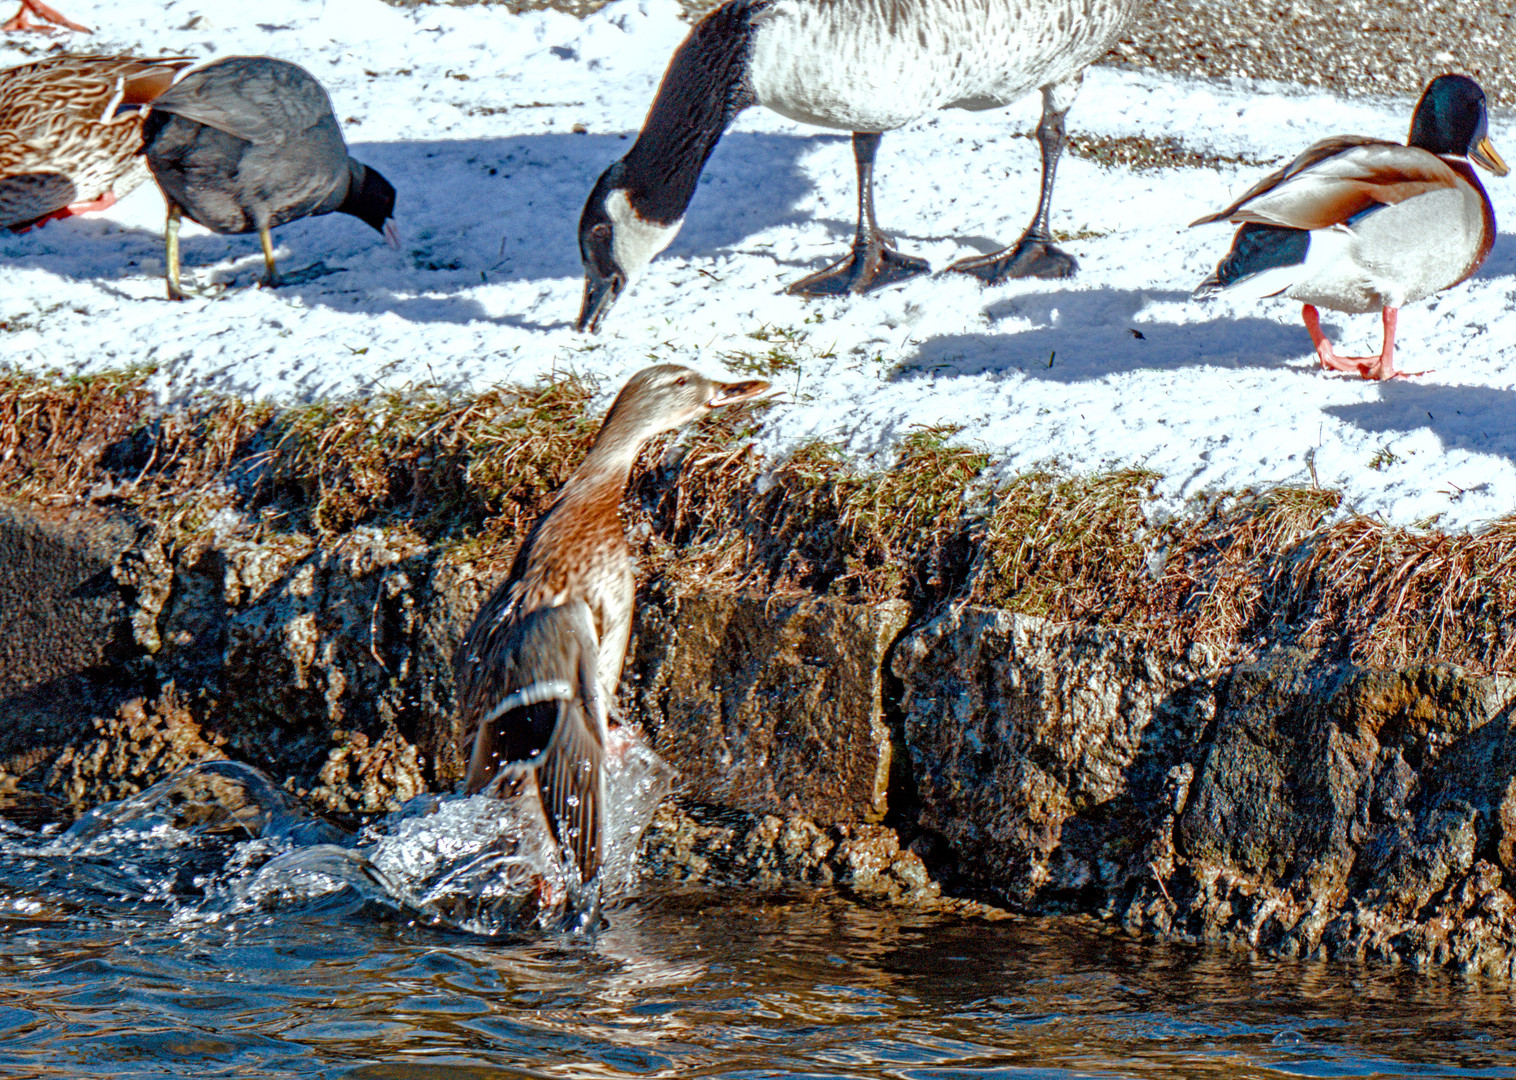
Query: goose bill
(1484, 154)
(600, 293)
(731, 393)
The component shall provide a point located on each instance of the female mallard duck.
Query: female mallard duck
(70, 128)
(537, 671)
(22, 19)
(248, 143)
(864, 66)
(1356, 224)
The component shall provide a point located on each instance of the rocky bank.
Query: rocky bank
(1292, 802)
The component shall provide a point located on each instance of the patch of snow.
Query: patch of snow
(470, 111)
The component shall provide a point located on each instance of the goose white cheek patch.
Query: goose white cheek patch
(637, 240)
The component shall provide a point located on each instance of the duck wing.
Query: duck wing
(535, 709)
(1336, 179)
(256, 98)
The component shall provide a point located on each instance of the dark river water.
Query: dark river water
(131, 956)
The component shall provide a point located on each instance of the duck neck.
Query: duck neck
(603, 474)
(705, 87)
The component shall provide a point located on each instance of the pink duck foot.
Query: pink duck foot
(21, 22)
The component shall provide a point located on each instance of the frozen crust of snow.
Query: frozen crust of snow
(470, 112)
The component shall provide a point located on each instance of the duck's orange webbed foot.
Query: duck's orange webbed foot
(21, 21)
(1377, 368)
(104, 202)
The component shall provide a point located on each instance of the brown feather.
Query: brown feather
(51, 125)
(1345, 188)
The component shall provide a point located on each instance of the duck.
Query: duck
(863, 66)
(248, 143)
(21, 21)
(536, 673)
(1358, 224)
(70, 126)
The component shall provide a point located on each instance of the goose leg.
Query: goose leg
(874, 262)
(1367, 367)
(1034, 255)
(20, 21)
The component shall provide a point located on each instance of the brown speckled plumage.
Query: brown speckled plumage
(62, 139)
(537, 671)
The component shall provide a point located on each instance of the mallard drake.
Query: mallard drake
(22, 19)
(70, 126)
(865, 66)
(1357, 224)
(248, 143)
(536, 674)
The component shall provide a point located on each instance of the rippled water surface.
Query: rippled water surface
(115, 964)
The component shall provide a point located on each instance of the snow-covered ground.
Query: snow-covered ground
(472, 115)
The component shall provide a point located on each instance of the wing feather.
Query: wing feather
(534, 706)
(259, 100)
(1336, 179)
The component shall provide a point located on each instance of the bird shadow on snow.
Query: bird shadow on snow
(1088, 334)
(1473, 418)
(1502, 259)
(470, 212)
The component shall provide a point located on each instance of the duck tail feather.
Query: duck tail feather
(1264, 261)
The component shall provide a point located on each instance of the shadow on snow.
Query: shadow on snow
(470, 211)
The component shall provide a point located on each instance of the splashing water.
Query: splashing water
(221, 839)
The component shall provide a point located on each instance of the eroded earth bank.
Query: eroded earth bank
(1264, 722)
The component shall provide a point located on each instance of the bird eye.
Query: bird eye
(601, 231)
(680, 381)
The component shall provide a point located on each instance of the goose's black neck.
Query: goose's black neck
(705, 87)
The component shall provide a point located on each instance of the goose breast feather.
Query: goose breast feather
(875, 65)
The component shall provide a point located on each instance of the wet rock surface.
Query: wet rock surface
(772, 705)
(1298, 805)
(63, 641)
(1037, 750)
(695, 844)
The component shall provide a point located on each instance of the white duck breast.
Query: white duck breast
(875, 65)
(1394, 256)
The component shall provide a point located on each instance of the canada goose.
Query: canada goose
(536, 674)
(864, 66)
(70, 128)
(248, 143)
(1357, 224)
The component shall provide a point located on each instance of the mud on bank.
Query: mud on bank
(1243, 723)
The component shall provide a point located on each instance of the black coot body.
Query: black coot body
(249, 143)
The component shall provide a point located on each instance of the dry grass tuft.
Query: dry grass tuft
(1233, 572)
(1401, 596)
(445, 466)
(1054, 544)
(100, 438)
(816, 522)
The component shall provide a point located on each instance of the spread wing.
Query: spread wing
(533, 705)
(255, 98)
(1336, 179)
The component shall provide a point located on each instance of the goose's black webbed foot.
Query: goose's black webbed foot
(872, 265)
(1027, 258)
